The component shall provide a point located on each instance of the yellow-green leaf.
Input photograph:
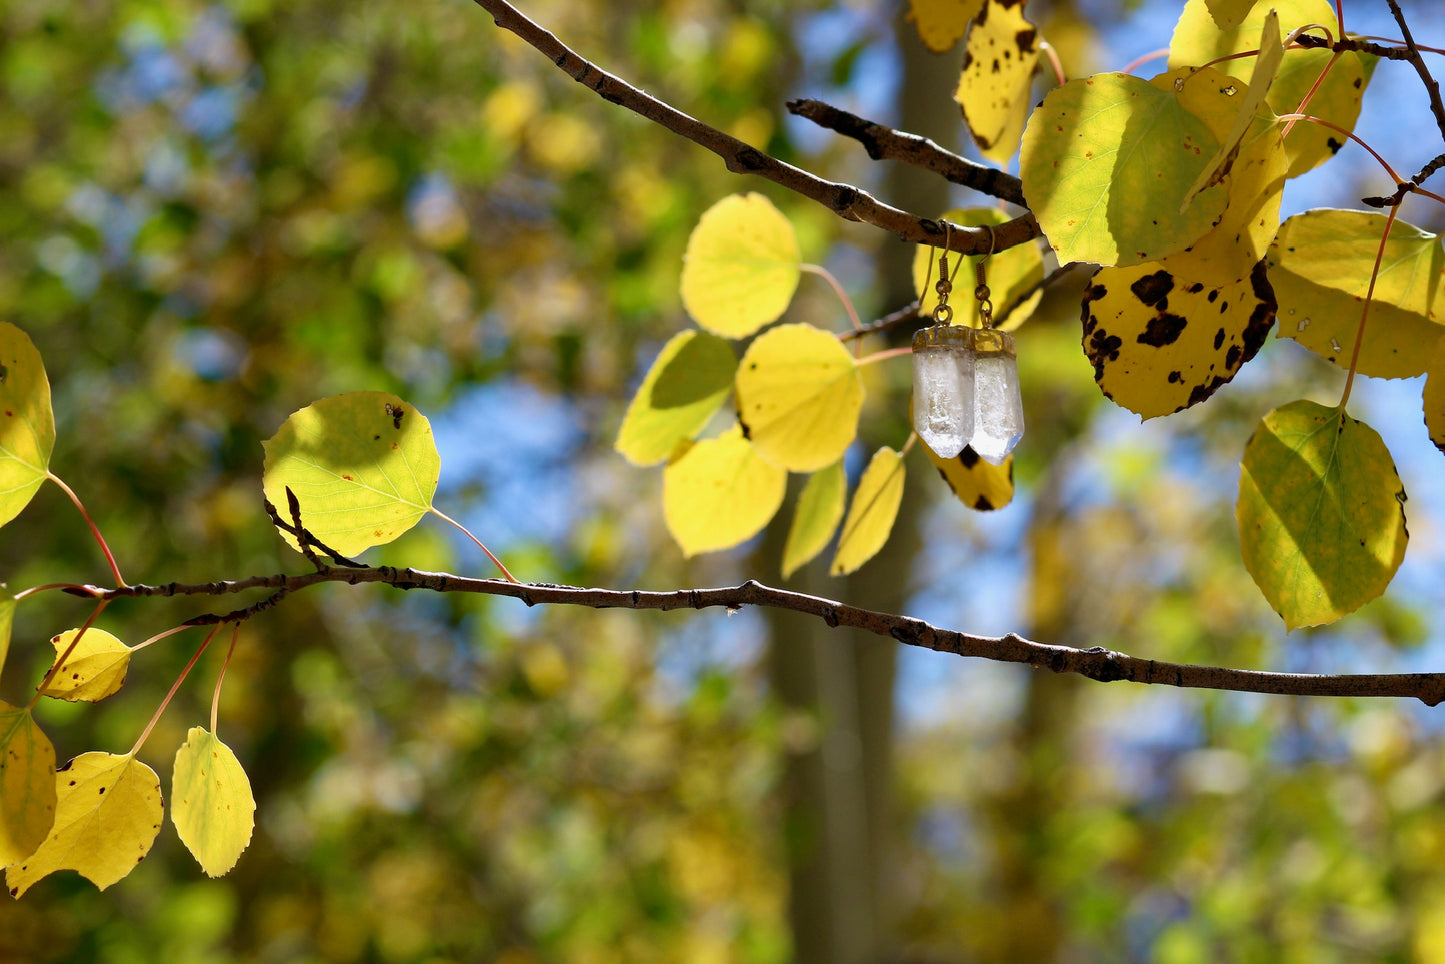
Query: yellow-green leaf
(1198, 41)
(211, 802)
(741, 267)
(1014, 276)
(977, 484)
(94, 669)
(1321, 513)
(1095, 148)
(1229, 14)
(27, 785)
(998, 71)
(871, 516)
(798, 395)
(1320, 265)
(108, 812)
(363, 466)
(7, 622)
(1160, 343)
(1434, 398)
(719, 493)
(682, 390)
(941, 23)
(816, 518)
(27, 425)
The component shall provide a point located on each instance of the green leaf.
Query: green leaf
(107, 815)
(7, 622)
(976, 483)
(1320, 264)
(27, 785)
(719, 492)
(1198, 41)
(363, 466)
(1015, 276)
(741, 267)
(1095, 148)
(683, 388)
(1160, 343)
(95, 668)
(1321, 513)
(798, 395)
(998, 71)
(942, 23)
(27, 425)
(871, 516)
(816, 518)
(211, 802)
(1434, 398)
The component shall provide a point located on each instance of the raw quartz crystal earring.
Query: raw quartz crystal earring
(965, 380)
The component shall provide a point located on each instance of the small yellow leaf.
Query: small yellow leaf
(1434, 398)
(211, 802)
(108, 812)
(820, 509)
(94, 669)
(683, 388)
(27, 785)
(941, 23)
(7, 622)
(998, 72)
(1015, 276)
(799, 393)
(871, 516)
(27, 424)
(741, 267)
(1228, 14)
(977, 484)
(720, 493)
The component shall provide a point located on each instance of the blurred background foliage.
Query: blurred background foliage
(215, 211)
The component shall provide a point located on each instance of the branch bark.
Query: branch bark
(1096, 662)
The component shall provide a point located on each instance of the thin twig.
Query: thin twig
(1432, 87)
(1096, 662)
(908, 313)
(845, 200)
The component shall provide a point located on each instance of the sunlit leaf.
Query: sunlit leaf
(27, 425)
(363, 466)
(1015, 276)
(682, 390)
(816, 518)
(94, 669)
(998, 70)
(1095, 149)
(798, 395)
(27, 785)
(1229, 14)
(108, 812)
(1320, 264)
(1434, 398)
(211, 802)
(1321, 513)
(942, 23)
(1198, 41)
(741, 266)
(977, 484)
(719, 492)
(7, 621)
(1160, 343)
(871, 516)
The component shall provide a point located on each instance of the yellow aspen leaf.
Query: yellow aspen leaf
(1321, 513)
(1229, 14)
(27, 424)
(1320, 264)
(719, 492)
(799, 393)
(683, 388)
(741, 266)
(211, 802)
(977, 484)
(27, 785)
(1098, 145)
(998, 72)
(816, 518)
(942, 23)
(871, 516)
(1015, 276)
(363, 466)
(108, 812)
(1198, 41)
(7, 621)
(95, 668)
(1161, 343)
(1434, 398)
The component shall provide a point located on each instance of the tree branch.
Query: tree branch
(1432, 87)
(1096, 663)
(845, 200)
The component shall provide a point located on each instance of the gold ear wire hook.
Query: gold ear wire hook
(942, 312)
(981, 291)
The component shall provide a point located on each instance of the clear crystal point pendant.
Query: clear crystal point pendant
(943, 388)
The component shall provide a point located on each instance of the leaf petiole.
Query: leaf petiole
(467, 532)
(94, 529)
(156, 717)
